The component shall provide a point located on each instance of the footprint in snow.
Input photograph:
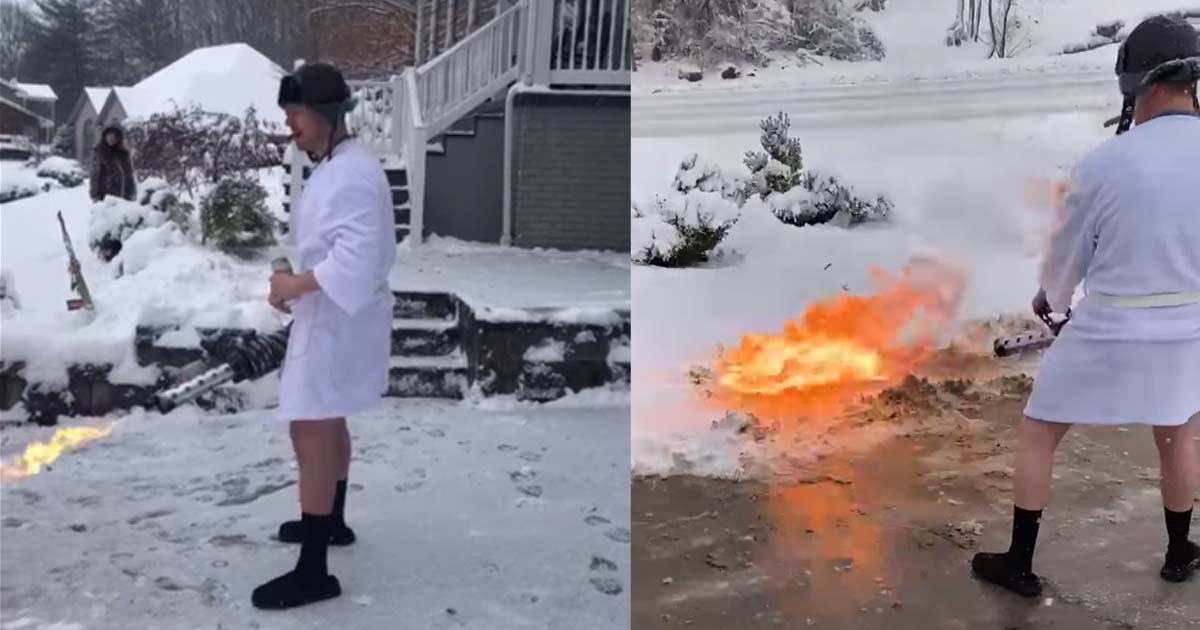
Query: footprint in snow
(524, 474)
(595, 519)
(435, 433)
(530, 491)
(602, 564)
(607, 585)
(618, 534)
(409, 486)
(506, 448)
(531, 457)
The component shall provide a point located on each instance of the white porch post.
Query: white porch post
(538, 48)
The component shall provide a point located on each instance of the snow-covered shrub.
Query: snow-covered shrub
(113, 221)
(797, 196)
(828, 28)
(62, 170)
(234, 216)
(714, 31)
(63, 144)
(697, 174)
(161, 197)
(683, 229)
(188, 147)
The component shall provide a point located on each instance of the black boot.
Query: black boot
(1183, 555)
(339, 534)
(1013, 570)
(310, 581)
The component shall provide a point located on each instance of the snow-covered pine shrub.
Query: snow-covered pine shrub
(234, 216)
(62, 170)
(188, 147)
(779, 166)
(796, 196)
(161, 197)
(63, 144)
(683, 229)
(830, 29)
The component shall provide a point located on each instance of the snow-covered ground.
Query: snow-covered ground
(961, 158)
(506, 519)
(913, 32)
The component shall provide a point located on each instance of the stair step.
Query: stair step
(542, 381)
(428, 379)
(399, 195)
(425, 338)
(397, 177)
(425, 305)
(453, 361)
(402, 215)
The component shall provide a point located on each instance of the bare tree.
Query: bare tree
(1008, 29)
(16, 34)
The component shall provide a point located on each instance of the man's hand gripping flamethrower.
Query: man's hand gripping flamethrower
(1008, 346)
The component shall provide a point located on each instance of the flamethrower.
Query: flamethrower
(249, 359)
(1008, 346)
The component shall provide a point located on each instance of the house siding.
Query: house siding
(570, 160)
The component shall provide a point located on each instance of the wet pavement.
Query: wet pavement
(883, 538)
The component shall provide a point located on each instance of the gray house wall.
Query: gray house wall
(464, 187)
(570, 169)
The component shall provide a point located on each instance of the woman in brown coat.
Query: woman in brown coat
(112, 168)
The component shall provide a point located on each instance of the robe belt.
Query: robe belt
(1157, 300)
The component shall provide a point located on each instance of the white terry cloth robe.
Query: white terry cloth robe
(339, 346)
(1132, 228)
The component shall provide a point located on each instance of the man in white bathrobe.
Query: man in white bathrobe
(337, 356)
(1131, 352)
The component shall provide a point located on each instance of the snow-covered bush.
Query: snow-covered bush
(796, 196)
(63, 144)
(113, 221)
(188, 147)
(681, 230)
(234, 216)
(161, 197)
(62, 170)
(697, 174)
(714, 31)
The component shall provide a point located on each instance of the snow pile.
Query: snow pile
(116, 219)
(225, 79)
(168, 280)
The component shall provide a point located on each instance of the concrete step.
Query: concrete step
(428, 377)
(425, 337)
(423, 305)
(542, 381)
(402, 213)
(399, 195)
(397, 177)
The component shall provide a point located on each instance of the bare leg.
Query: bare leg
(1180, 465)
(317, 444)
(1036, 442)
(343, 449)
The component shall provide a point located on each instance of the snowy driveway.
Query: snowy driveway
(512, 519)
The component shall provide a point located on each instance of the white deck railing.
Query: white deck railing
(574, 42)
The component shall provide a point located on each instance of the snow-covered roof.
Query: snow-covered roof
(221, 79)
(37, 91)
(96, 96)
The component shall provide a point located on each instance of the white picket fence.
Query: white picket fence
(574, 42)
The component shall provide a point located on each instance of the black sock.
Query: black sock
(1178, 524)
(1024, 538)
(339, 504)
(316, 543)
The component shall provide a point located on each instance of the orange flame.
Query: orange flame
(841, 346)
(41, 454)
